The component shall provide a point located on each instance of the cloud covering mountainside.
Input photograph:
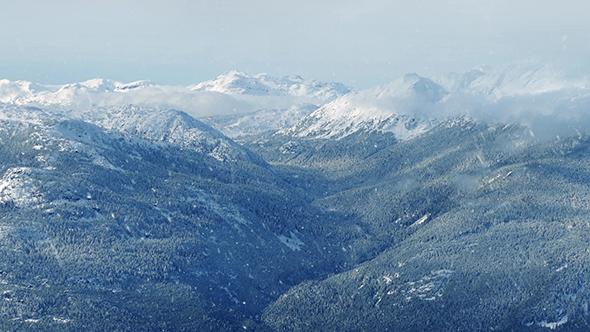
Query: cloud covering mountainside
(536, 96)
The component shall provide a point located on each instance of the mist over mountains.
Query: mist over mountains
(534, 96)
(250, 202)
(530, 94)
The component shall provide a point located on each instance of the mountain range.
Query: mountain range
(527, 94)
(451, 203)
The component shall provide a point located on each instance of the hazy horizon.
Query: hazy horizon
(362, 45)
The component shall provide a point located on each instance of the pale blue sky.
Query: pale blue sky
(366, 43)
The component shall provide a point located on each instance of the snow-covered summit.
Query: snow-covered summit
(239, 83)
(393, 107)
(95, 85)
(233, 82)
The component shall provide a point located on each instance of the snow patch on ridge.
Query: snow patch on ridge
(428, 288)
(293, 242)
(19, 187)
(421, 220)
(553, 325)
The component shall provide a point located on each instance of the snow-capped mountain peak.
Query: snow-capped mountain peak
(238, 83)
(99, 85)
(409, 86)
(233, 82)
(390, 107)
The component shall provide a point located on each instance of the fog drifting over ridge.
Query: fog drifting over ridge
(537, 96)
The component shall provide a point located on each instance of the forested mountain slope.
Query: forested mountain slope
(469, 227)
(117, 229)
